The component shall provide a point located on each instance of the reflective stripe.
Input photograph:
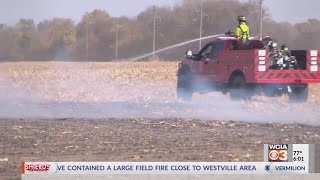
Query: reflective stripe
(288, 74)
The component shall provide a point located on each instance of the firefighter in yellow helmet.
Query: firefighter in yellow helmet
(285, 50)
(242, 31)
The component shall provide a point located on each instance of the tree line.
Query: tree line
(101, 37)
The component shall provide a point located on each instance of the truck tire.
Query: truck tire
(239, 89)
(299, 94)
(184, 84)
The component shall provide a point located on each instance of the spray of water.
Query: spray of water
(174, 46)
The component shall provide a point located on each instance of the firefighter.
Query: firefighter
(242, 32)
(290, 61)
(285, 50)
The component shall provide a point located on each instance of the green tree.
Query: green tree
(6, 39)
(24, 39)
(62, 38)
(95, 27)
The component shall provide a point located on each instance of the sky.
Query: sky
(12, 10)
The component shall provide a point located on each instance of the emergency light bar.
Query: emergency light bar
(227, 38)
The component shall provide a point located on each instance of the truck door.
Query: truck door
(199, 66)
(213, 65)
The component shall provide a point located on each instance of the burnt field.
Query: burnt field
(128, 112)
(140, 140)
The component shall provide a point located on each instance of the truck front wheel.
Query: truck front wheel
(184, 85)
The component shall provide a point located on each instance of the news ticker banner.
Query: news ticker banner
(114, 168)
(279, 159)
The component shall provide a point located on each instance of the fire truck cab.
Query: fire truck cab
(221, 65)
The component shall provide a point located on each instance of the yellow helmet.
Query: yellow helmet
(242, 18)
(284, 47)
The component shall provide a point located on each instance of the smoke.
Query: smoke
(16, 99)
(129, 90)
(62, 54)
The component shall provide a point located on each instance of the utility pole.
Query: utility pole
(117, 37)
(261, 19)
(155, 18)
(201, 21)
(200, 18)
(87, 39)
(154, 33)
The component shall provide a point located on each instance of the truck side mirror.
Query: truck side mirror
(189, 54)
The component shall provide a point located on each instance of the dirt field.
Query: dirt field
(140, 140)
(128, 112)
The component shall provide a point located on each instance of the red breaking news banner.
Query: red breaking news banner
(36, 167)
(22, 168)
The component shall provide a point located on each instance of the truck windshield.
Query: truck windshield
(207, 51)
(212, 50)
(217, 49)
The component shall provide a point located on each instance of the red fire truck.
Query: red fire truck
(220, 65)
